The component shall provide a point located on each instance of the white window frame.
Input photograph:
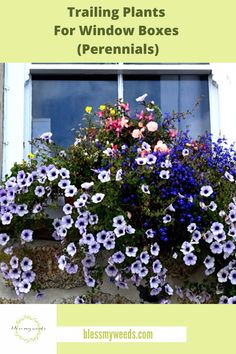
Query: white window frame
(18, 96)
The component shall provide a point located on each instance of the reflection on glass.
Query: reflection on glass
(63, 102)
(174, 92)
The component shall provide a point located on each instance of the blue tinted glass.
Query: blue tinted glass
(58, 104)
(174, 92)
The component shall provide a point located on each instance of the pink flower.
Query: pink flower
(173, 133)
(152, 126)
(160, 146)
(125, 106)
(124, 122)
(136, 133)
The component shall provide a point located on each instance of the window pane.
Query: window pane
(174, 92)
(58, 104)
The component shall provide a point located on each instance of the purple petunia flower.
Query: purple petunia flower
(232, 215)
(217, 228)
(155, 249)
(157, 266)
(14, 262)
(216, 247)
(64, 183)
(88, 261)
(88, 239)
(186, 247)
(144, 257)
(143, 272)
(70, 191)
(136, 267)
(166, 219)
(151, 159)
(67, 221)
(223, 299)
(109, 243)
(121, 284)
(79, 203)
(232, 300)
(6, 218)
(81, 222)
(64, 173)
(220, 237)
(212, 206)
(111, 270)
(4, 238)
(93, 219)
(196, 236)
(79, 300)
(26, 264)
(190, 259)
(37, 208)
(24, 286)
(154, 282)
(191, 227)
(169, 290)
(14, 273)
(119, 221)
(209, 262)
(71, 249)
(3, 267)
(22, 210)
(208, 236)
(39, 191)
(120, 231)
(27, 235)
(29, 275)
(67, 209)
(131, 251)
(62, 262)
(229, 247)
(72, 268)
(150, 233)
(210, 271)
(118, 257)
(232, 276)
(101, 236)
(222, 275)
(130, 230)
(94, 247)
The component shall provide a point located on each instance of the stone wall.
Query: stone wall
(1, 115)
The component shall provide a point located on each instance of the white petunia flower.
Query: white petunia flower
(164, 174)
(104, 176)
(206, 191)
(145, 189)
(229, 176)
(141, 98)
(119, 175)
(97, 198)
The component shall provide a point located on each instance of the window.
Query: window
(59, 102)
(60, 94)
(28, 86)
